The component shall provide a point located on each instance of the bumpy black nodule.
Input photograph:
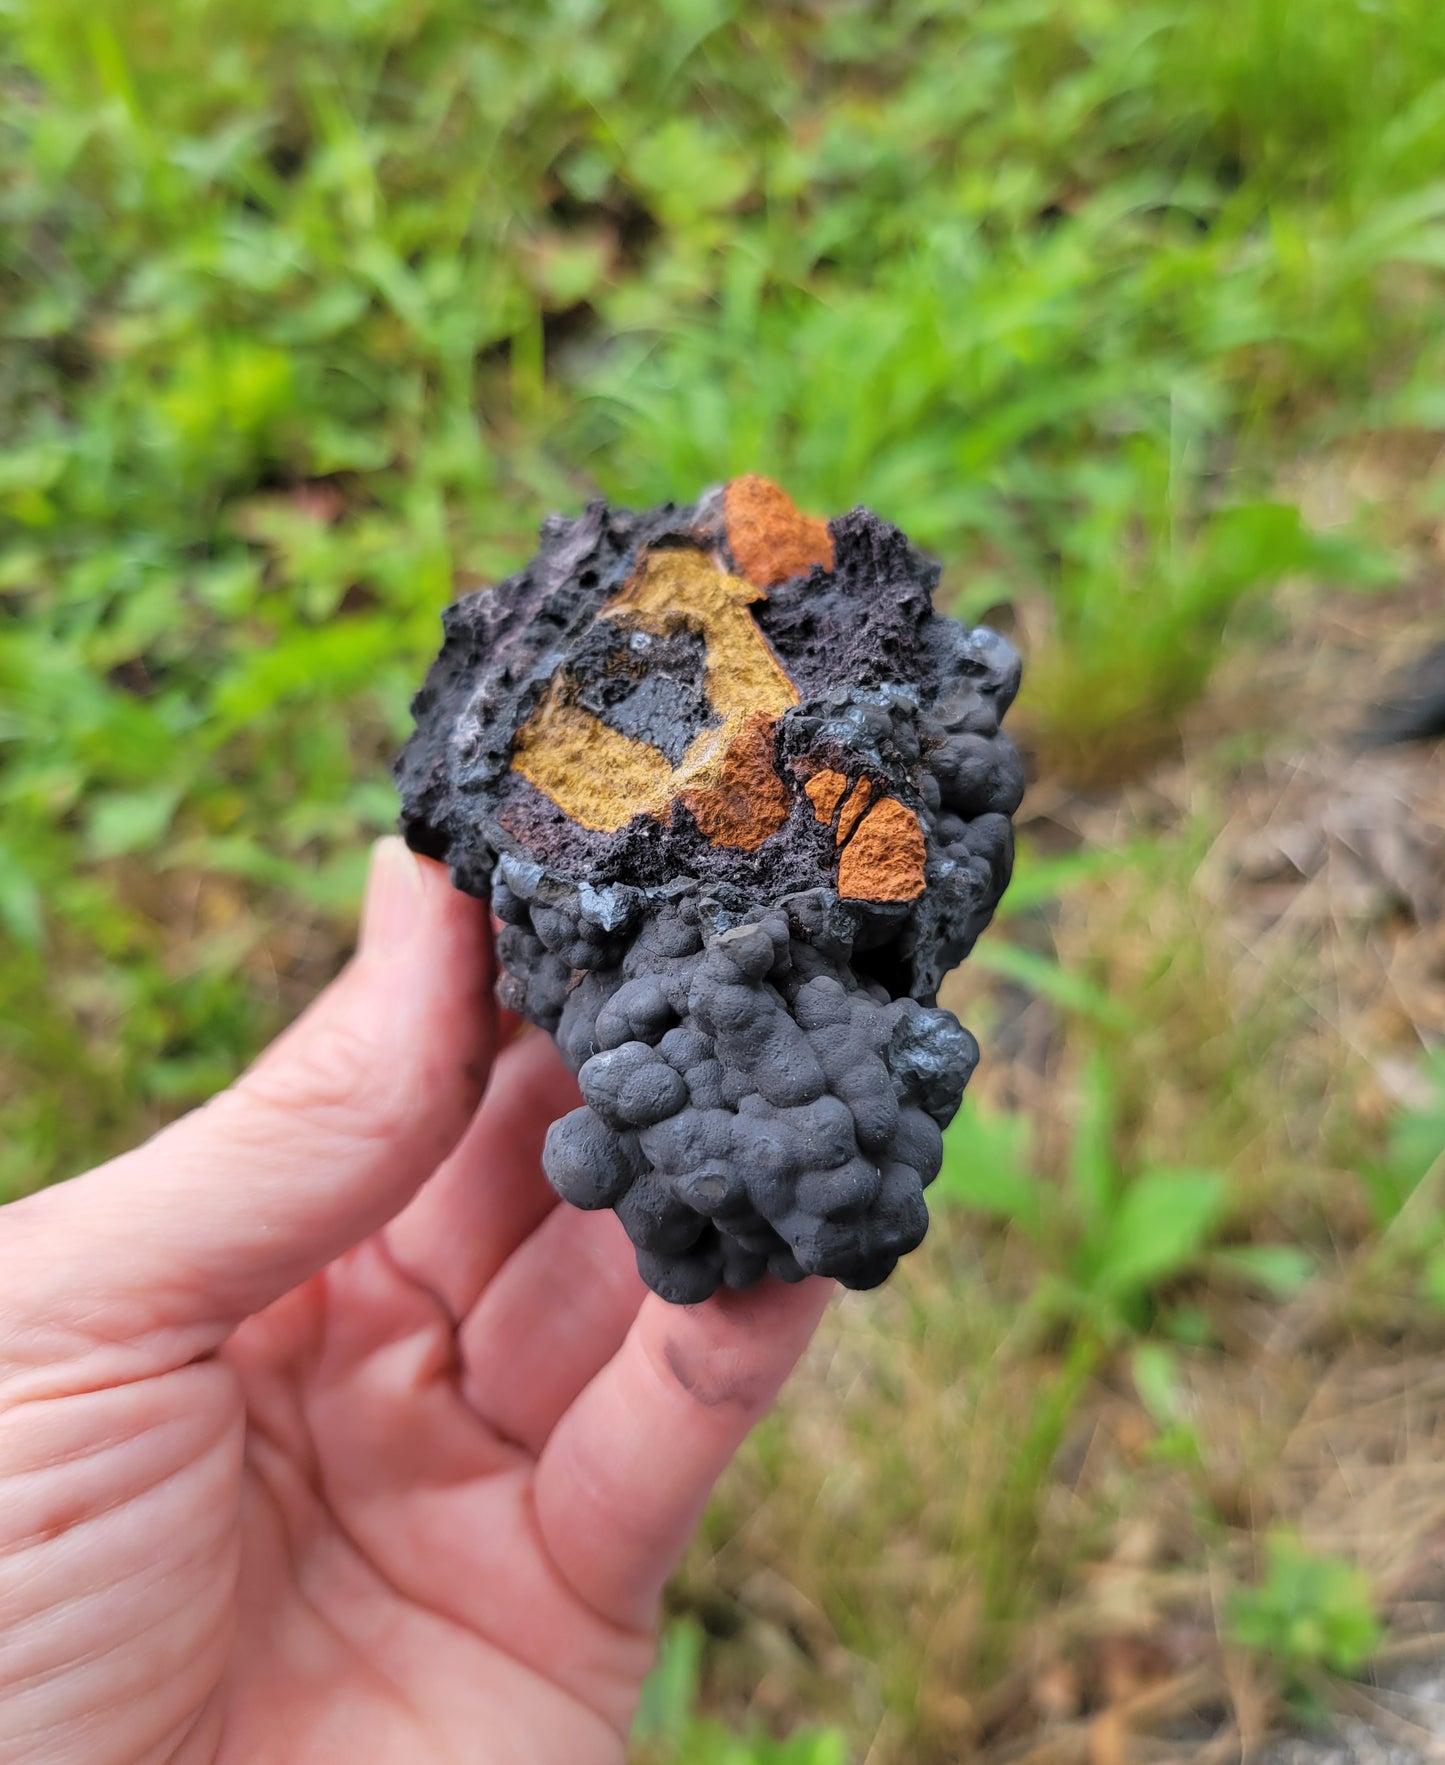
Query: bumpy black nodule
(766, 1075)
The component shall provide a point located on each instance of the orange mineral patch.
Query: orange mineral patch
(749, 800)
(769, 535)
(825, 789)
(602, 778)
(855, 808)
(884, 859)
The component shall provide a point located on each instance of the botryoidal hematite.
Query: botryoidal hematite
(739, 796)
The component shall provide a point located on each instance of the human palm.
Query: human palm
(324, 1434)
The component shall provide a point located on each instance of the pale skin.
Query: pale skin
(325, 1434)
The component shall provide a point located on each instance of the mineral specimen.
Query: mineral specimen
(739, 796)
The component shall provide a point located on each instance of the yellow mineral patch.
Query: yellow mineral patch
(601, 778)
(884, 859)
(592, 773)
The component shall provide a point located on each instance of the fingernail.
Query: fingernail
(395, 888)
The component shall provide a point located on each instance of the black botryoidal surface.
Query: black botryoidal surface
(765, 1073)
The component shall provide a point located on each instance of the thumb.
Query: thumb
(158, 1254)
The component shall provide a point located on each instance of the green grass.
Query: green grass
(304, 318)
(308, 314)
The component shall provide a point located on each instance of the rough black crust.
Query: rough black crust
(765, 1073)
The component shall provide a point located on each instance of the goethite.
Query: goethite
(739, 795)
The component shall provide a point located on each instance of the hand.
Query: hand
(324, 1434)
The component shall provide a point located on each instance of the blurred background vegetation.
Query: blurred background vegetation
(1131, 312)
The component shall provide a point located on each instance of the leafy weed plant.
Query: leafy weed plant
(1310, 1610)
(669, 1730)
(1110, 1240)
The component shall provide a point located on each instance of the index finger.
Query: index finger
(624, 1478)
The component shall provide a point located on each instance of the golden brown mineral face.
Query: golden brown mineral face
(601, 777)
(739, 795)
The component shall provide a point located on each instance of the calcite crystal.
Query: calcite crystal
(739, 796)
